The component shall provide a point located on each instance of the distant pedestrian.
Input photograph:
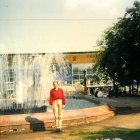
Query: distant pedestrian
(96, 92)
(124, 91)
(100, 94)
(116, 90)
(111, 91)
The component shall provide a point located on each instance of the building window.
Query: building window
(75, 70)
(89, 70)
(78, 72)
(9, 78)
(75, 77)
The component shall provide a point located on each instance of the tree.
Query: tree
(121, 48)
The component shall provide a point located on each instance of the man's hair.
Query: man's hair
(56, 82)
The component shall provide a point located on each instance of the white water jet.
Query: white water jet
(32, 75)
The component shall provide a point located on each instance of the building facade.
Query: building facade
(80, 62)
(32, 70)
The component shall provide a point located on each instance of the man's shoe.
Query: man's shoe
(58, 130)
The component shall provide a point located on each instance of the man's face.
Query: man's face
(55, 84)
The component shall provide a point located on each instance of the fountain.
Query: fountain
(26, 79)
(25, 83)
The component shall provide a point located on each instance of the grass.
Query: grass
(77, 134)
(107, 135)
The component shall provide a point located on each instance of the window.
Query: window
(81, 76)
(9, 80)
(75, 77)
(89, 70)
(78, 72)
(89, 77)
(75, 71)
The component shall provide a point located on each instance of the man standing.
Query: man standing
(57, 102)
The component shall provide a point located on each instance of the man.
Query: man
(57, 102)
(100, 94)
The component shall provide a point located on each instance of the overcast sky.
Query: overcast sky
(25, 25)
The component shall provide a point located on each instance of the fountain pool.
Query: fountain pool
(25, 82)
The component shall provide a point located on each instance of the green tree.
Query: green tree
(121, 48)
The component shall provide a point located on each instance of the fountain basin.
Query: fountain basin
(43, 121)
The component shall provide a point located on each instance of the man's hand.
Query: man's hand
(63, 106)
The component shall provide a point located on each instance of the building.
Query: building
(81, 61)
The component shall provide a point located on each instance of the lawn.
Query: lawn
(107, 135)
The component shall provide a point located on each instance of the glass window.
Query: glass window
(81, 76)
(82, 82)
(89, 70)
(78, 70)
(9, 75)
(75, 71)
(82, 71)
(75, 77)
(10, 86)
(89, 77)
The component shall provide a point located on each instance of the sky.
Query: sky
(44, 26)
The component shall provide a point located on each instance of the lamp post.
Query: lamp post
(85, 79)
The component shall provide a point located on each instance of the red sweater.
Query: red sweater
(57, 94)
